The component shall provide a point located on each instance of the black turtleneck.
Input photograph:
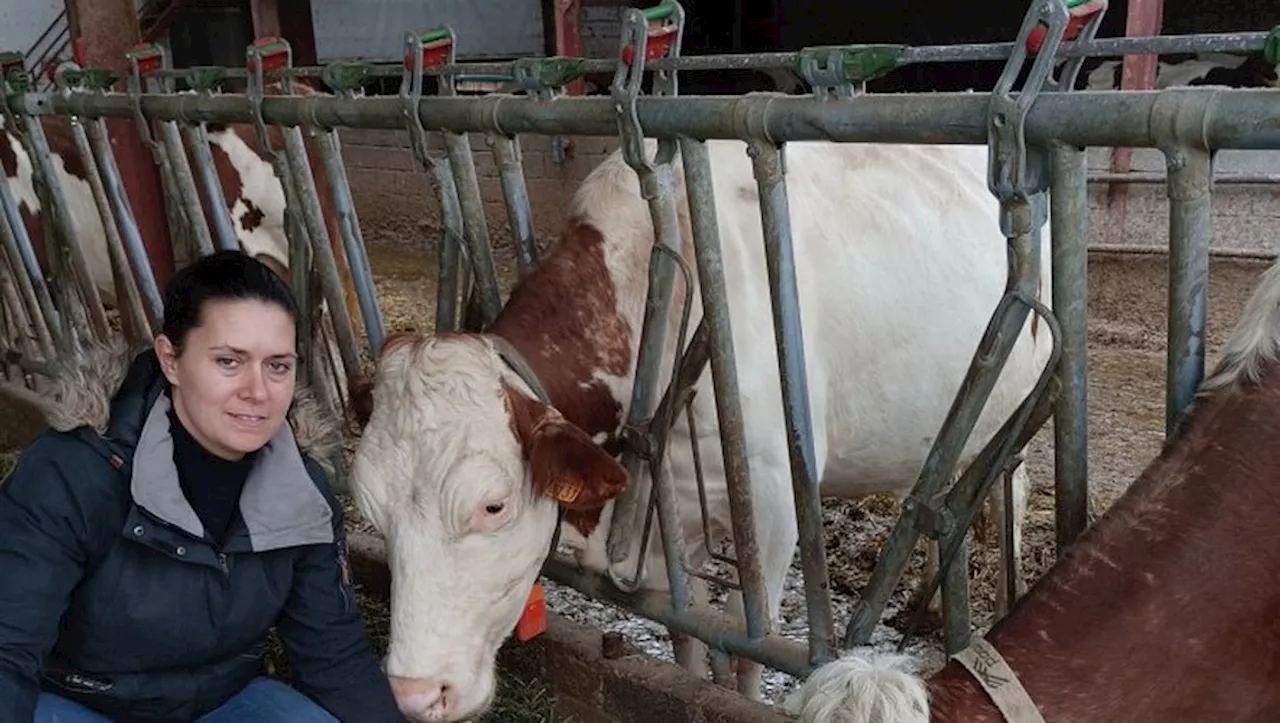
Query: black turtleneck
(211, 484)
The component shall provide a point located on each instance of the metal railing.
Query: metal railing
(1036, 140)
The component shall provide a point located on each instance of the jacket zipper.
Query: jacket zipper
(222, 561)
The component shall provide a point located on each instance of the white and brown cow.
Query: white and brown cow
(249, 185)
(900, 263)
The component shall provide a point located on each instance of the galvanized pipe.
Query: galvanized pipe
(703, 222)
(352, 240)
(197, 138)
(1189, 236)
(1228, 121)
(1189, 162)
(134, 248)
(312, 215)
(1146, 177)
(775, 215)
(43, 172)
(129, 302)
(717, 629)
(475, 226)
(1161, 250)
(1070, 226)
(449, 304)
(969, 52)
(17, 314)
(506, 155)
(188, 196)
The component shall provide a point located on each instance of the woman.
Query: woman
(170, 518)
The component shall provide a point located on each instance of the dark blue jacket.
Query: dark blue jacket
(112, 595)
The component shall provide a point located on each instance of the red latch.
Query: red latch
(657, 45)
(1077, 17)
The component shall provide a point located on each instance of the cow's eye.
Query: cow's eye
(495, 508)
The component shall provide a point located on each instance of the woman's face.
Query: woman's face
(233, 381)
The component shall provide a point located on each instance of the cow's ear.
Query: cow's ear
(564, 463)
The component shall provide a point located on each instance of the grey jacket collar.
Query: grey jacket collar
(281, 505)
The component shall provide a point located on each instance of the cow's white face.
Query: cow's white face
(457, 468)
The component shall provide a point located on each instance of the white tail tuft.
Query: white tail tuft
(862, 687)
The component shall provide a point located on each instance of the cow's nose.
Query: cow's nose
(423, 700)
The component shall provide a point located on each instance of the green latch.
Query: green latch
(19, 80)
(659, 12)
(1271, 48)
(346, 76)
(554, 72)
(827, 66)
(206, 77)
(434, 34)
(90, 78)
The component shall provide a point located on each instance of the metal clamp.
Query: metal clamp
(841, 71)
(424, 48)
(1008, 174)
(206, 79)
(266, 55)
(14, 80)
(143, 60)
(346, 77)
(545, 78)
(648, 34)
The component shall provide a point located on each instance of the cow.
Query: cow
(249, 185)
(900, 263)
(1195, 69)
(1163, 610)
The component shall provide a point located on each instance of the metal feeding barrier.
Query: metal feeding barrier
(1036, 137)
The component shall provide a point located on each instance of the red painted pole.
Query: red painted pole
(1138, 72)
(104, 31)
(568, 23)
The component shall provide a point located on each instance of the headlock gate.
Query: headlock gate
(1036, 137)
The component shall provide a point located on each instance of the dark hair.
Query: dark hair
(224, 275)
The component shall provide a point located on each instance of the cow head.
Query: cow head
(461, 469)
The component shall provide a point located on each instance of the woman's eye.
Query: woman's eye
(226, 362)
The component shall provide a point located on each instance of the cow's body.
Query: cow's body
(249, 186)
(1165, 609)
(1233, 71)
(900, 263)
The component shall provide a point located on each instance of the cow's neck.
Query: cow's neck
(1169, 596)
(575, 320)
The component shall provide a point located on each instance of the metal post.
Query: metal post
(1070, 221)
(204, 81)
(506, 155)
(1190, 169)
(31, 284)
(775, 216)
(724, 378)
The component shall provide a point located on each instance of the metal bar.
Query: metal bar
(1189, 236)
(703, 222)
(717, 629)
(188, 196)
(129, 302)
(1229, 121)
(1147, 250)
(134, 248)
(42, 169)
(506, 155)
(449, 305)
(352, 240)
(475, 225)
(197, 138)
(1149, 177)
(1070, 226)
(775, 215)
(1244, 42)
(312, 215)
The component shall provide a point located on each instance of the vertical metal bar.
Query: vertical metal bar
(448, 255)
(197, 139)
(312, 216)
(724, 378)
(1188, 187)
(31, 284)
(134, 248)
(187, 195)
(42, 169)
(956, 619)
(352, 240)
(24, 315)
(475, 228)
(767, 164)
(1070, 223)
(506, 155)
(129, 302)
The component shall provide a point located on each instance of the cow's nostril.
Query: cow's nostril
(424, 699)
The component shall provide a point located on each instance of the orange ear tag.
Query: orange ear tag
(533, 620)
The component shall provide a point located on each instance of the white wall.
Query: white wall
(22, 21)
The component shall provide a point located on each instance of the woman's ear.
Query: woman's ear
(168, 356)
